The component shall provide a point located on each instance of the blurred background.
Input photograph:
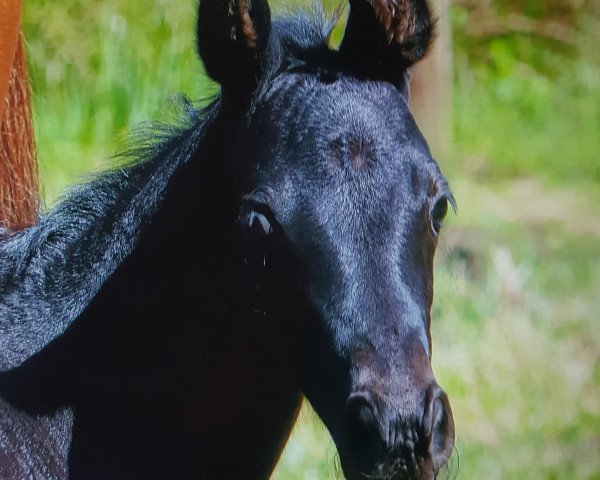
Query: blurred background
(510, 102)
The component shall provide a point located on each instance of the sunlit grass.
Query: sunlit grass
(310, 454)
(518, 345)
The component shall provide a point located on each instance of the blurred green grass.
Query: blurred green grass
(516, 339)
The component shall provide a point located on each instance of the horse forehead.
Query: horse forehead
(303, 100)
(367, 131)
(357, 136)
(359, 105)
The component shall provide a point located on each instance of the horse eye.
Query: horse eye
(258, 223)
(438, 213)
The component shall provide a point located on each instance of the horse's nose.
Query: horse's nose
(364, 411)
(364, 431)
(438, 426)
(381, 438)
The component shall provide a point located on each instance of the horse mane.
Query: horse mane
(297, 39)
(87, 235)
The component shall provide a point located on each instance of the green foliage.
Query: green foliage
(525, 103)
(99, 68)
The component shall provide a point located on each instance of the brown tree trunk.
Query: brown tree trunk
(431, 86)
(19, 197)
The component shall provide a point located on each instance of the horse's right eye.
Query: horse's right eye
(438, 213)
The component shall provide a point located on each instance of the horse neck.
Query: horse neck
(245, 399)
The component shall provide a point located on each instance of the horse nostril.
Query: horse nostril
(361, 411)
(438, 426)
(364, 446)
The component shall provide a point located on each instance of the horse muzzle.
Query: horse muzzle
(412, 441)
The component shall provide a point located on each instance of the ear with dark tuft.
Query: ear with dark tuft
(232, 35)
(385, 37)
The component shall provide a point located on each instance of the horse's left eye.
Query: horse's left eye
(260, 224)
(256, 222)
(438, 213)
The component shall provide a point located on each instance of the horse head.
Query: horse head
(341, 205)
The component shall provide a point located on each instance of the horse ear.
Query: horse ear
(232, 34)
(385, 37)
